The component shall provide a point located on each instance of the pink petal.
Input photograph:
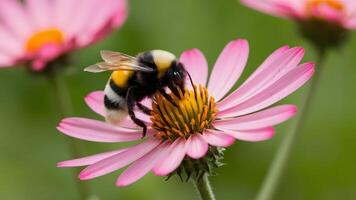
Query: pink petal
(79, 24)
(197, 146)
(277, 91)
(9, 44)
(252, 135)
(47, 53)
(236, 95)
(142, 166)
(38, 65)
(263, 6)
(280, 8)
(120, 160)
(218, 138)
(228, 68)
(142, 116)
(120, 14)
(271, 59)
(88, 160)
(139, 114)
(262, 119)
(97, 131)
(95, 101)
(267, 74)
(128, 123)
(5, 61)
(328, 13)
(108, 15)
(15, 17)
(350, 21)
(298, 6)
(173, 158)
(41, 12)
(64, 11)
(147, 102)
(195, 63)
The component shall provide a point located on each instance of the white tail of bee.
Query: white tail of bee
(114, 117)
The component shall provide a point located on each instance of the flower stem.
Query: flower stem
(279, 163)
(204, 188)
(65, 107)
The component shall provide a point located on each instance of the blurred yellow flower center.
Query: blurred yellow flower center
(192, 114)
(335, 4)
(41, 38)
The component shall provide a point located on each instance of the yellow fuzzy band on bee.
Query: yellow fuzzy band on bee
(121, 77)
(162, 67)
(163, 60)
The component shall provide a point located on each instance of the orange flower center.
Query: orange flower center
(42, 38)
(193, 113)
(335, 4)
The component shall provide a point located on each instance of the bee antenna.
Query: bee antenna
(192, 83)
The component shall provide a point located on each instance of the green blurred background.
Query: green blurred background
(322, 165)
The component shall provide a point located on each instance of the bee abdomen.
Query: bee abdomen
(111, 105)
(115, 104)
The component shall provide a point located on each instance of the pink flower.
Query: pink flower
(201, 120)
(324, 22)
(335, 11)
(39, 31)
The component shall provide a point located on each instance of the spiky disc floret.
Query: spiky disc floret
(194, 112)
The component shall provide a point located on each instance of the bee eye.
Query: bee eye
(176, 76)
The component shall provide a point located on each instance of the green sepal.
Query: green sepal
(196, 168)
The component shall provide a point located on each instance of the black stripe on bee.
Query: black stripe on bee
(118, 90)
(111, 105)
(147, 59)
(118, 100)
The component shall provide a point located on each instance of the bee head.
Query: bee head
(175, 78)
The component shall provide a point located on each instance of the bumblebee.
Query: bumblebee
(135, 78)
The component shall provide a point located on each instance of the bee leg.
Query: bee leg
(144, 109)
(131, 101)
(169, 98)
(138, 122)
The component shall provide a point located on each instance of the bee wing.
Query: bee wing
(103, 66)
(97, 68)
(113, 57)
(117, 61)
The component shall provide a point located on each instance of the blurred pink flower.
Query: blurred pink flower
(234, 116)
(342, 12)
(324, 22)
(39, 31)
